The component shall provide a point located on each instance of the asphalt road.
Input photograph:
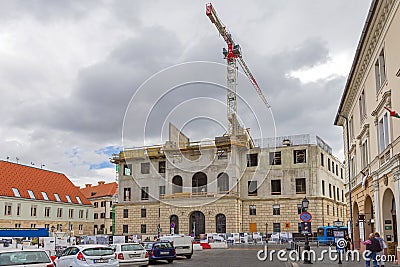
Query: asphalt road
(231, 257)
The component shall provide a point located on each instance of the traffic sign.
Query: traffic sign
(305, 217)
(172, 225)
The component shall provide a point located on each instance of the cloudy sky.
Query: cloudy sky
(71, 70)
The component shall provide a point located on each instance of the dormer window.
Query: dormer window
(16, 192)
(57, 197)
(45, 197)
(68, 198)
(79, 200)
(31, 194)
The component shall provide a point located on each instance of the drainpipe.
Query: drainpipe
(349, 178)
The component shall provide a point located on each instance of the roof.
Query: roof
(37, 180)
(100, 190)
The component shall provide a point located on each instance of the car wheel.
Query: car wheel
(170, 261)
(188, 256)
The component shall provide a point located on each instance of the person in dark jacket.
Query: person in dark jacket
(373, 247)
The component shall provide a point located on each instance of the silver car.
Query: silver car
(131, 254)
(87, 255)
(27, 257)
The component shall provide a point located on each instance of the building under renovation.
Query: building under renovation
(228, 185)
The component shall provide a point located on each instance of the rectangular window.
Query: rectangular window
(80, 227)
(142, 228)
(127, 169)
(327, 209)
(323, 187)
(96, 204)
(276, 227)
(47, 226)
(276, 209)
(33, 225)
(34, 211)
(334, 194)
(102, 215)
(125, 229)
(7, 209)
(352, 167)
(275, 158)
(337, 193)
(299, 156)
(342, 196)
(333, 166)
(252, 210)
(252, 188)
(81, 212)
(361, 106)
(276, 187)
(329, 164)
(95, 216)
(145, 167)
(333, 211)
(161, 166)
(330, 190)
(71, 213)
(103, 204)
(337, 170)
(252, 160)
(111, 214)
(380, 71)
(127, 194)
(351, 128)
(17, 225)
(47, 212)
(383, 132)
(322, 159)
(300, 185)
(341, 173)
(145, 193)
(59, 212)
(162, 190)
(18, 209)
(143, 213)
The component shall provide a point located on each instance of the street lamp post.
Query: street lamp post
(304, 208)
(55, 238)
(266, 234)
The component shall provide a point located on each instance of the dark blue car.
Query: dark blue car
(160, 250)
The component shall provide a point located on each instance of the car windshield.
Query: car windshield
(131, 247)
(23, 258)
(148, 245)
(163, 245)
(98, 251)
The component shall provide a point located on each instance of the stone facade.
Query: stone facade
(371, 135)
(228, 186)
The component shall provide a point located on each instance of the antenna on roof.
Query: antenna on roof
(8, 158)
(42, 165)
(17, 159)
(33, 164)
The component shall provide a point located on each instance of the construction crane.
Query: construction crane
(232, 54)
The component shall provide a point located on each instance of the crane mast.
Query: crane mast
(232, 54)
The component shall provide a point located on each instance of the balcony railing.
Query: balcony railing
(199, 194)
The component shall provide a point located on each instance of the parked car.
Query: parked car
(160, 250)
(183, 244)
(131, 254)
(87, 255)
(27, 257)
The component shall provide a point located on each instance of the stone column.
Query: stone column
(377, 205)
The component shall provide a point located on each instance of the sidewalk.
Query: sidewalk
(328, 261)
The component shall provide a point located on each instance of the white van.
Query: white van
(182, 244)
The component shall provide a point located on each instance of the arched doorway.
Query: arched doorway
(356, 226)
(220, 221)
(199, 182)
(197, 224)
(177, 184)
(369, 216)
(223, 182)
(175, 220)
(389, 215)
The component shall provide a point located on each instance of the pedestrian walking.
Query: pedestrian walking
(379, 254)
(373, 247)
(348, 243)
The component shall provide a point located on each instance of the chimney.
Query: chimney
(88, 185)
(102, 182)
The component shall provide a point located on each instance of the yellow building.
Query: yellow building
(371, 134)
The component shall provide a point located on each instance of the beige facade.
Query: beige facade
(371, 135)
(228, 186)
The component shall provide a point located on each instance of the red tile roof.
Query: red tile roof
(26, 178)
(100, 190)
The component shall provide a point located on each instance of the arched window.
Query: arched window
(199, 182)
(220, 221)
(223, 182)
(176, 184)
(197, 223)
